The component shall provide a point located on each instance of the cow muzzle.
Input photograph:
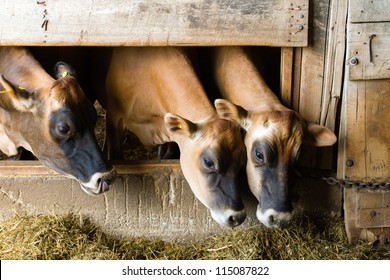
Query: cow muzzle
(99, 182)
(272, 218)
(228, 218)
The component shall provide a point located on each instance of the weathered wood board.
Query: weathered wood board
(364, 150)
(365, 136)
(369, 51)
(367, 215)
(334, 63)
(369, 11)
(316, 74)
(154, 22)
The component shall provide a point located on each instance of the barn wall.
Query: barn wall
(311, 84)
(364, 150)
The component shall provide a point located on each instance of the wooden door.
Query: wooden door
(364, 140)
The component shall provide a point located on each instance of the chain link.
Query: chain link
(359, 185)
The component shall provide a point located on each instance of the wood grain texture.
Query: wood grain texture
(334, 63)
(286, 75)
(367, 215)
(14, 169)
(309, 100)
(154, 22)
(373, 55)
(366, 136)
(364, 142)
(369, 11)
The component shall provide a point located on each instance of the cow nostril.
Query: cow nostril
(271, 219)
(235, 220)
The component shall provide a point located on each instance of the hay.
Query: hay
(73, 237)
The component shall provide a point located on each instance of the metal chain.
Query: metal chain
(359, 185)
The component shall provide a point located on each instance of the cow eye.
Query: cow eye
(63, 128)
(208, 163)
(259, 157)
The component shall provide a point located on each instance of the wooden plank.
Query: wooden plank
(333, 75)
(334, 63)
(367, 215)
(368, 44)
(313, 63)
(369, 11)
(286, 76)
(373, 209)
(364, 155)
(297, 78)
(367, 139)
(16, 169)
(311, 76)
(350, 215)
(363, 140)
(154, 22)
(342, 141)
(374, 218)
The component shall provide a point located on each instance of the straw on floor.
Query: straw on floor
(71, 236)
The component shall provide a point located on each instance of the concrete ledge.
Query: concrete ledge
(149, 199)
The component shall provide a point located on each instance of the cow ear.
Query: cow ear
(179, 126)
(230, 111)
(62, 70)
(14, 97)
(318, 135)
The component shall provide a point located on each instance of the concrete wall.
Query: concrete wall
(148, 199)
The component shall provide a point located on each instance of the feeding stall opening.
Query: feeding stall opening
(308, 84)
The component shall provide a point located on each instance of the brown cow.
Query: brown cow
(51, 118)
(155, 93)
(274, 133)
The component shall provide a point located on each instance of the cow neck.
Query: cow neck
(186, 97)
(241, 83)
(197, 111)
(194, 107)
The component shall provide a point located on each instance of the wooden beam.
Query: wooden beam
(334, 62)
(15, 169)
(286, 75)
(153, 22)
(311, 74)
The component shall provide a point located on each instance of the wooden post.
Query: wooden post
(286, 75)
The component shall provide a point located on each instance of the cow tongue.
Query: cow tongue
(103, 186)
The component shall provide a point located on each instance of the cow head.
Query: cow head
(273, 140)
(211, 156)
(56, 123)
